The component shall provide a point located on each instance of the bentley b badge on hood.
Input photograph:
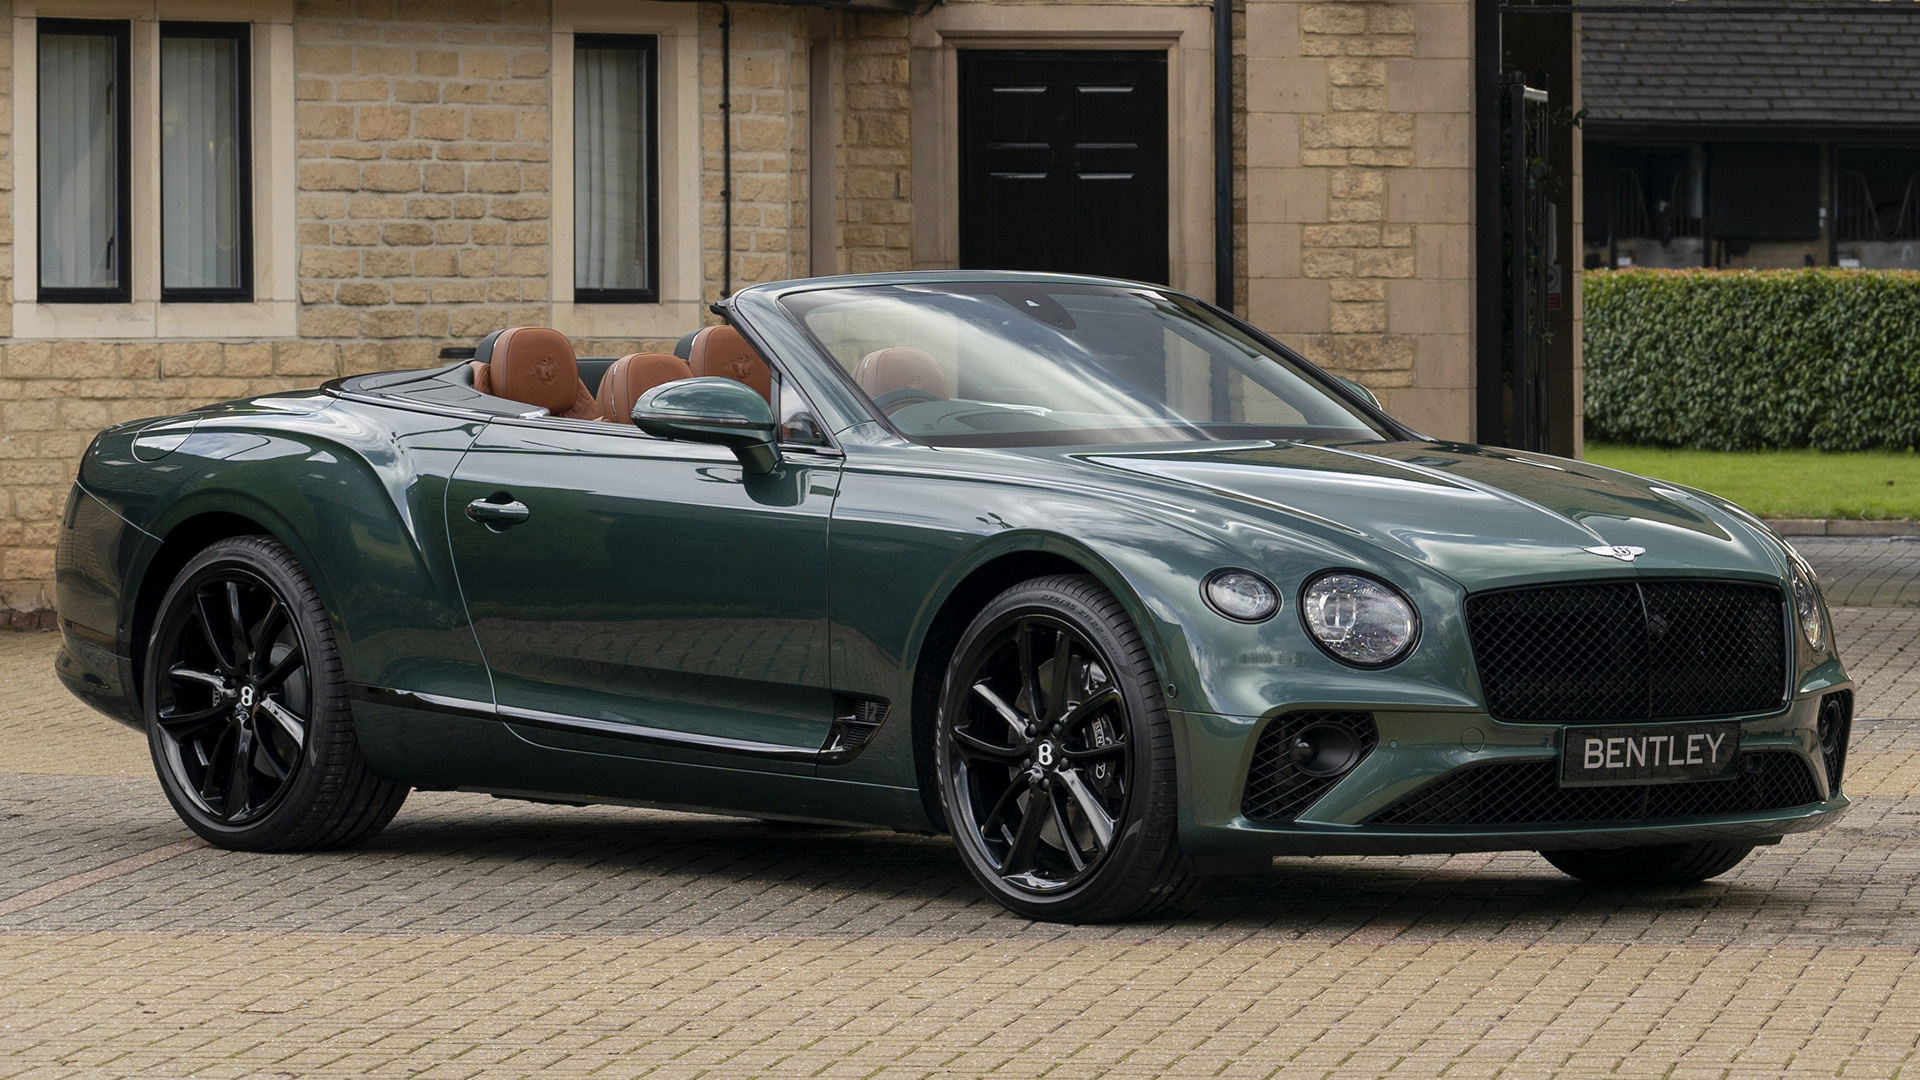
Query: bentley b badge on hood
(1623, 552)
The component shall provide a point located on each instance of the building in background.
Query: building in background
(1743, 139)
(205, 199)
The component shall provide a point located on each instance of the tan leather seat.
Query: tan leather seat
(721, 351)
(536, 366)
(633, 375)
(885, 371)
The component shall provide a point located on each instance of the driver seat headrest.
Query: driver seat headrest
(900, 368)
(722, 351)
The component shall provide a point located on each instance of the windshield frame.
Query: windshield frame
(1389, 429)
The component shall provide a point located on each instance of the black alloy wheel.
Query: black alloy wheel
(1055, 757)
(234, 698)
(246, 708)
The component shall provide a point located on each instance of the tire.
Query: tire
(246, 708)
(1656, 864)
(1097, 751)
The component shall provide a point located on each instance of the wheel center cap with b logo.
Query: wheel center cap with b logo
(246, 697)
(1046, 754)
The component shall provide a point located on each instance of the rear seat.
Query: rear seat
(533, 365)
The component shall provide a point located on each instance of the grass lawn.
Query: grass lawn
(1784, 483)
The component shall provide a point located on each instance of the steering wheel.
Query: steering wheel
(894, 400)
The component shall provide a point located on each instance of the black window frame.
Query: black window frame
(649, 47)
(242, 33)
(122, 33)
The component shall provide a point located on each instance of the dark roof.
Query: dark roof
(1799, 68)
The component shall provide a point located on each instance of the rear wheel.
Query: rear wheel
(1055, 757)
(1655, 864)
(247, 709)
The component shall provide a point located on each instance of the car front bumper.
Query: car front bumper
(1364, 812)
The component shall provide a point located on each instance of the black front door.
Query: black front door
(1063, 162)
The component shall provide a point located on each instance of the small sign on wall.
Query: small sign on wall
(1553, 286)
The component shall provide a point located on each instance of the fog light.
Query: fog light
(1324, 750)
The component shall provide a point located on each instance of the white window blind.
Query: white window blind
(80, 169)
(613, 168)
(203, 163)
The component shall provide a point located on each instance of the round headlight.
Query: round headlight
(1241, 595)
(1806, 605)
(1357, 619)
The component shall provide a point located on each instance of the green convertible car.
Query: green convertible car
(1089, 574)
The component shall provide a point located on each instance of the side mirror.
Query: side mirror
(713, 410)
(1366, 395)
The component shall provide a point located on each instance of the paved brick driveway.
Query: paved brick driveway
(484, 938)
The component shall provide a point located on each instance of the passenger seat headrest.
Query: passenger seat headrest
(633, 375)
(722, 351)
(885, 370)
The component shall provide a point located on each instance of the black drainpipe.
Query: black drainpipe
(726, 151)
(1223, 153)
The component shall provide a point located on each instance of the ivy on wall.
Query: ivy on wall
(1746, 359)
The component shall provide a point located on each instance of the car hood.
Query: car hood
(1482, 516)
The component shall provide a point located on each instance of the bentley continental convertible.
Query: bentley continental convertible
(1101, 581)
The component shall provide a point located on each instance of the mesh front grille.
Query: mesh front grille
(1276, 791)
(1529, 793)
(1663, 650)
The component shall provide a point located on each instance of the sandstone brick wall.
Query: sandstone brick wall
(769, 145)
(1360, 191)
(875, 169)
(424, 172)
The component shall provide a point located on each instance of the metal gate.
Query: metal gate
(1526, 241)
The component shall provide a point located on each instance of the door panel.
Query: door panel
(652, 588)
(1063, 162)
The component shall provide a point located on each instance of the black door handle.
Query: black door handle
(498, 512)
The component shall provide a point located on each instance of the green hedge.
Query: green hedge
(1745, 359)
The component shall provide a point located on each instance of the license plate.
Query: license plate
(1648, 755)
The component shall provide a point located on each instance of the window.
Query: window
(156, 173)
(205, 163)
(615, 175)
(85, 116)
(83, 149)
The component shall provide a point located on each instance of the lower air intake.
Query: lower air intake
(1279, 787)
(1529, 793)
(1836, 727)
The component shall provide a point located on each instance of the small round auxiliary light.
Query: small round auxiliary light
(1241, 595)
(1324, 750)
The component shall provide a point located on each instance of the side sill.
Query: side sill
(485, 710)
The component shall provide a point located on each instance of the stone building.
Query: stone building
(212, 198)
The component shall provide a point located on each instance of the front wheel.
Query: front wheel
(1055, 757)
(1652, 864)
(247, 708)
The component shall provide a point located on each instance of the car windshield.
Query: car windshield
(1028, 363)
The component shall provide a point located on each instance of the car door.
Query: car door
(639, 596)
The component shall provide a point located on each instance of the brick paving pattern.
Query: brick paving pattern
(481, 938)
(1865, 573)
